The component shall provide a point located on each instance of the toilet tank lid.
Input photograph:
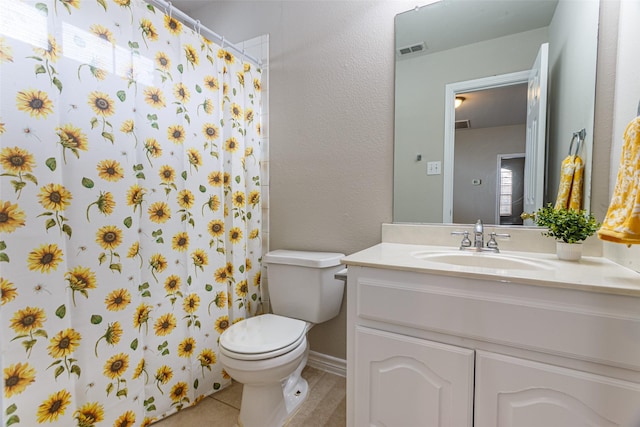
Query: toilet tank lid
(303, 258)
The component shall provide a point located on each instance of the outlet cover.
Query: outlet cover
(433, 168)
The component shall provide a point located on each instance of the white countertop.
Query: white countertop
(592, 274)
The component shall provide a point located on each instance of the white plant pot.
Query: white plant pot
(569, 251)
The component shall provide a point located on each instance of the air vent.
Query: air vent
(463, 124)
(416, 48)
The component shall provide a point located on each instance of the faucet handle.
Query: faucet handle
(492, 243)
(494, 234)
(466, 242)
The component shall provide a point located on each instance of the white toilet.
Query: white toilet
(267, 353)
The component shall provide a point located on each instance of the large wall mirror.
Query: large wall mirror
(459, 164)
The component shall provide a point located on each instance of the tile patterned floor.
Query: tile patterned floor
(325, 406)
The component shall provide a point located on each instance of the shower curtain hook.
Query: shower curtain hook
(222, 42)
(170, 9)
(198, 27)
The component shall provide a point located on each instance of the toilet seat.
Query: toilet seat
(262, 337)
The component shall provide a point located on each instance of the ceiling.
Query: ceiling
(475, 21)
(502, 106)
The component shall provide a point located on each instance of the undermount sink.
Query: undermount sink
(496, 261)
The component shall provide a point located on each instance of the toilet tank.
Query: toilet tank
(302, 284)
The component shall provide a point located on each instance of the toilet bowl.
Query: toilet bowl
(267, 353)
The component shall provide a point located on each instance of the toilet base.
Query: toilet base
(295, 389)
(273, 404)
(268, 405)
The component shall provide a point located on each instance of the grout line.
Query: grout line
(223, 402)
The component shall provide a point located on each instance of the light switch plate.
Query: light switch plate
(433, 168)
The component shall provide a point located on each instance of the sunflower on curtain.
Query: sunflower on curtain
(130, 211)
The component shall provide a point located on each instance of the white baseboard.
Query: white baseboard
(327, 363)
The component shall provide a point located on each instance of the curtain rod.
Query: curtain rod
(195, 24)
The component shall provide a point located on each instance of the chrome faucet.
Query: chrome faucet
(478, 232)
(478, 239)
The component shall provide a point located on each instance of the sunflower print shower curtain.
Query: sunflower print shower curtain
(130, 211)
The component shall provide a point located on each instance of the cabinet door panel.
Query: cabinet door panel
(513, 392)
(409, 382)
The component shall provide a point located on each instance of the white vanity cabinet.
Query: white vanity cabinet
(406, 381)
(435, 350)
(518, 392)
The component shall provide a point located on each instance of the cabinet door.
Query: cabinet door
(521, 393)
(402, 381)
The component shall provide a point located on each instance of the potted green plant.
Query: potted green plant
(569, 227)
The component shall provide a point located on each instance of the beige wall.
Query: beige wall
(478, 150)
(331, 80)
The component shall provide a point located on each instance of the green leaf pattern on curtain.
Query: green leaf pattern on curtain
(130, 211)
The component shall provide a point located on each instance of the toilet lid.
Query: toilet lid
(258, 335)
